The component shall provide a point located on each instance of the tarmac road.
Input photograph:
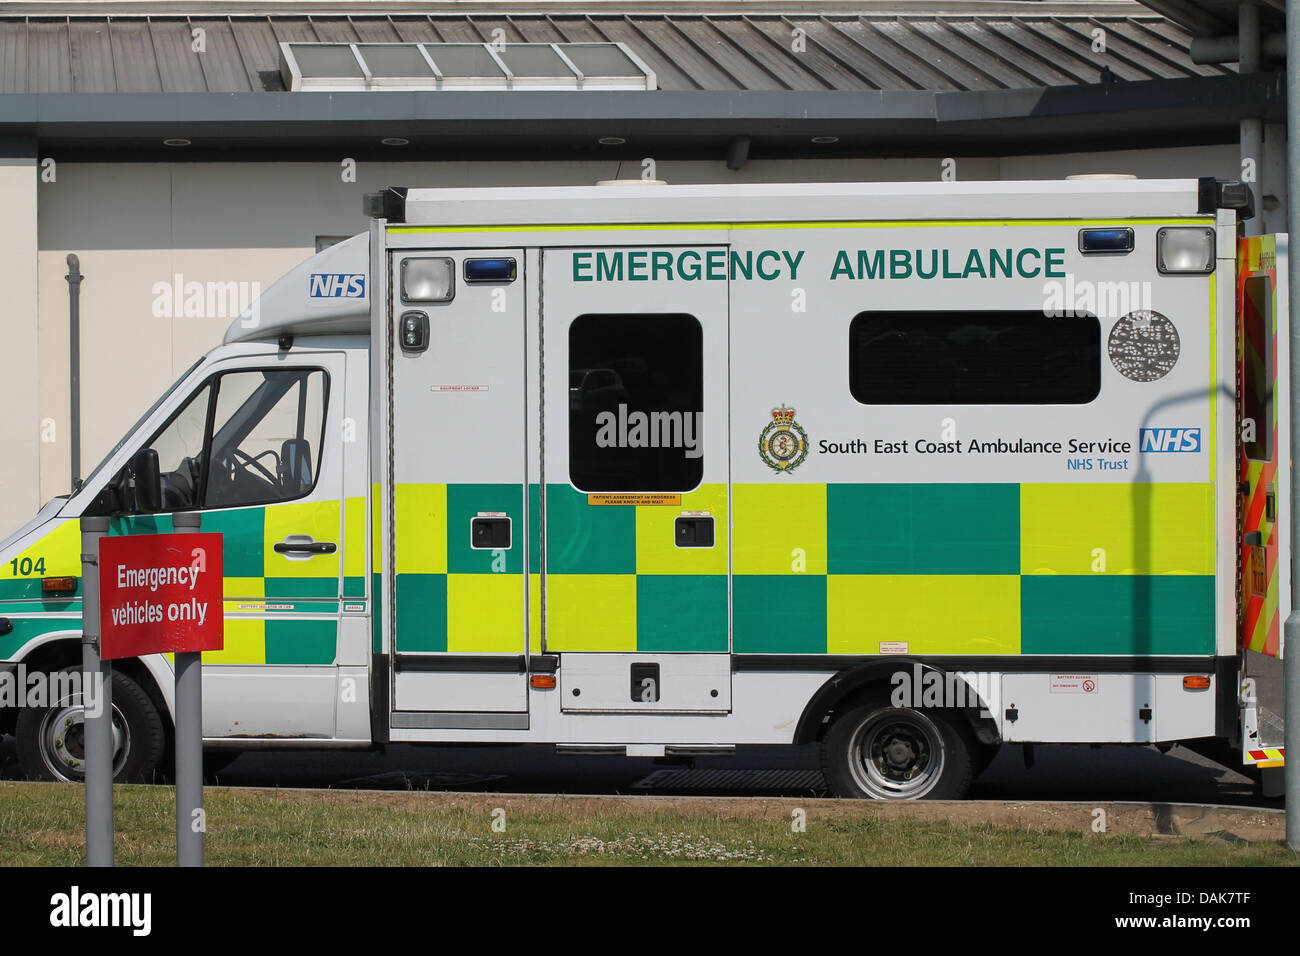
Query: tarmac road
(1060, 772)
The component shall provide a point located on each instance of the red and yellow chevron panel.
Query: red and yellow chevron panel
(1257, 395)
(1268, 757)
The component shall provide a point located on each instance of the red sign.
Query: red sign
(160, 594)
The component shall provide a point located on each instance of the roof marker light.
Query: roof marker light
(1106, 241)
(490, 270)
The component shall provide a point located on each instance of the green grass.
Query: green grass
(41, 825)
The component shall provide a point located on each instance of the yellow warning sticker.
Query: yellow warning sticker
(645, 499)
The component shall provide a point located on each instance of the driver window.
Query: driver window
(180, 449)
(267, 430)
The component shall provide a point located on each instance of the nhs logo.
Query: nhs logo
(1169, 439)
(337, 285)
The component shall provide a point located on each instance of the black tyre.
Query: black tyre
(878, 751)
(51, 743)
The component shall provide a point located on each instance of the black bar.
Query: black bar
(379, 690)
(463, 663)
(1011, 664)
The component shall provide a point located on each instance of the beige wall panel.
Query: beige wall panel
(20, 422)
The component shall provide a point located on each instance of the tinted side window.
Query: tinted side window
(1257, 366)
(636, 402)
(180, 451)
(974, 358)
(243, 438)
(267, 433)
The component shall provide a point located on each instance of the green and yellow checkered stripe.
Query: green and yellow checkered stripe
(450, 596)
(616, 581)
(255, 576)
(974, 568)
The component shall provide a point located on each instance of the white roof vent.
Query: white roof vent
(340, 67)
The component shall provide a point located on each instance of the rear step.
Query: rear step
(647, 750)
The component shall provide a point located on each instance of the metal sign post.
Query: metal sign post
(190, 822)
(159, 594)
(1291, 646)
(97, 701)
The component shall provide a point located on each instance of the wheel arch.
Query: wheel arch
(849, 686)
(59, 649)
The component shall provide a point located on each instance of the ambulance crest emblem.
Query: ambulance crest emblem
(783, 445)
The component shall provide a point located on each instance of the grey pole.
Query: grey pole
(74, 278)
(189, 738)
(1249, 60)
(1291, 648)
(96, 690)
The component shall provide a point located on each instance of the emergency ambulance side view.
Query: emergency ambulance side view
(910, 469)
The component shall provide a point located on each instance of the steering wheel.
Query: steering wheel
(250, 461)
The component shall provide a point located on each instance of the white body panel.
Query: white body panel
(488, 404)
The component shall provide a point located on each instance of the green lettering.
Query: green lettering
(900, 264)
(947, 273)
(693, 272)
(841, 266)
(875, 266)
(661, 261)
(609, 269)
(717, 259)
(793, 263)
(996, 262)
(767, 254)
(581, 263)
(1055, 263)
(745, 266)
(636, 262)
(934, 264)
(1020, 263)
(974, 264)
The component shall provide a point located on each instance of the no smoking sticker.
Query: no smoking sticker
(1074, 683)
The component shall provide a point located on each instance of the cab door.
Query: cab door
(458, 469)
(249, 449)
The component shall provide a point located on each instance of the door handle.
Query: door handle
(303, 545)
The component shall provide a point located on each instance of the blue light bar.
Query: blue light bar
(490, 270)
(1114, 240)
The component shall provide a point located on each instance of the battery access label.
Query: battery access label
(1073, 683)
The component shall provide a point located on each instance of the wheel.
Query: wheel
(51, 739)
(884, 752)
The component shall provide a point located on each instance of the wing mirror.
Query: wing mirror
(295, 465)
(140, 490)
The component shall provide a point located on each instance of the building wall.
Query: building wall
(20, 425)
(146, 232)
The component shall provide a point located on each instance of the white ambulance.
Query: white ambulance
(909, 469)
